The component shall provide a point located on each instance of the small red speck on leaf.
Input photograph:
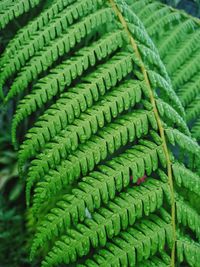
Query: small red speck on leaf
(140, 180)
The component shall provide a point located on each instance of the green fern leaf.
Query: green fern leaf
(189, 91)
(186, 178)
(24, 34)
(57, 80)
(50, 53)
(132, 242)
(177, 35)
(187, 49)
(188, 217)
(110, 90)
(196, 130)
(106, 142)
(13, 10)
(169, 114)
(42, 39)
(114, 171)
(188, 250)
(193, 110)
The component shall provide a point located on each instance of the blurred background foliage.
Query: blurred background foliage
(190, 6)
(13, 236)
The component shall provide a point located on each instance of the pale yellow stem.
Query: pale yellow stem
(160, 127)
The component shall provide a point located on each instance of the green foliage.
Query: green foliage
(11, 215)
(179, 52)
(11, 227)
(11, 10)
(190, 6)
(93, 133)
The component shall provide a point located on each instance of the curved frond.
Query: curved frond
(186, 178)
(52, 52)
(12, 10)
(122, 211)
(196, 130)
(24, 34)
(132, 241)
(188, 217)
(189, 91)
(109, 91)
(193, 110)
(58, 80)
(189, 251)
(96, 85)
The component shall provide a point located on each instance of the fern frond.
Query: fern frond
(166, 90)
(144, 8)
(15, 9)
(150, 57)
(163, 260)
(52, 52)
(193, 110)
(153, 16)
(127, 207)
(188, 217)
(135, 26)
(107, 141)
(186, 178)
(163, 22)
(53, 29)
(24, 34)
(106, 119)
(186, 71)
(108, 107)
(57, 80)
(185, 143)
(138, 5)
(189, 91)
(185, 50)
(179, 52)
(132, 241)
(169, 114)
(57, 28)
(189, 251)
(176, 35)
(95, 84)
(196, 130)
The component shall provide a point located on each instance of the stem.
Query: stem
(160, 127)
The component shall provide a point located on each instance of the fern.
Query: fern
(11, 10)
(193, 110)
(38, 23)
(185, 178)
(178, 52)
(188, 217)
(36, 45)
(57, 80)
(131, 241)
(196, 129)
(111, 166)
(43, 37)
(115, 132)
(188, 250)
(121, 64)
(106, 142)
(48, 186)
(134, 205)
(50, 53)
